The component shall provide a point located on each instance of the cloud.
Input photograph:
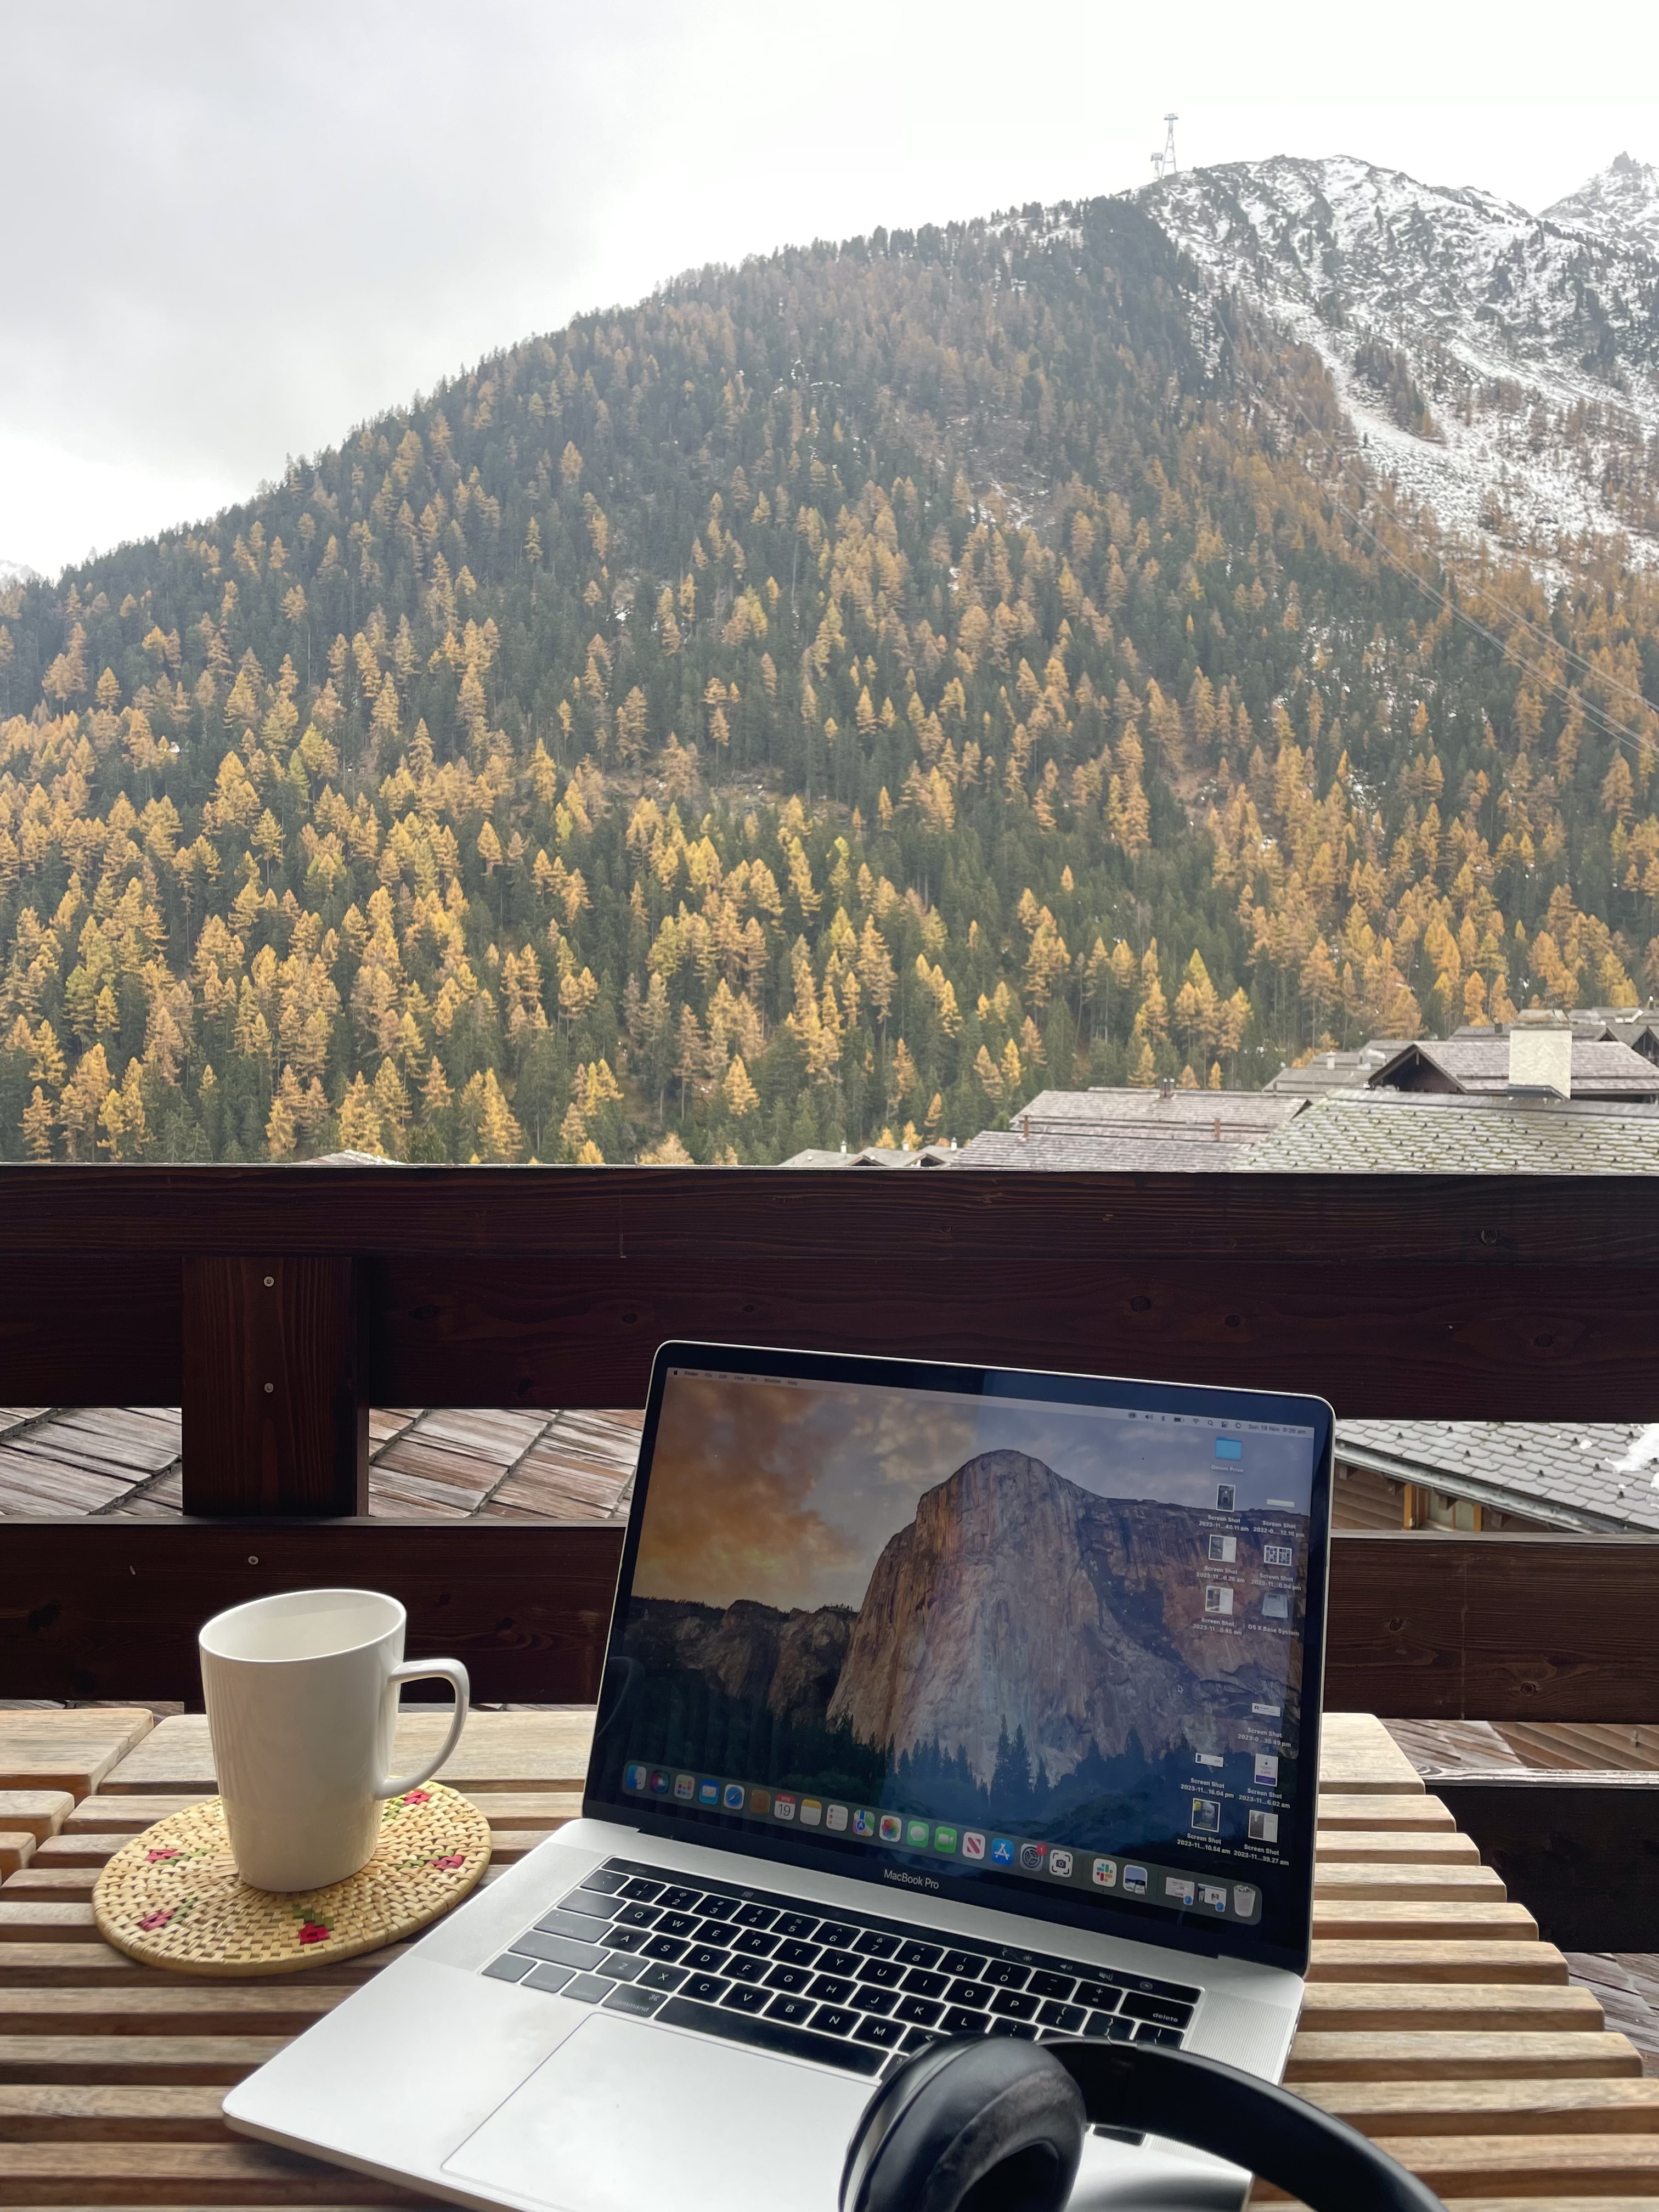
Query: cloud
(726, 1512)
(256, 228)
(787, 1494)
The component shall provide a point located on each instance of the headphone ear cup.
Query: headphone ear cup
(990, 2126)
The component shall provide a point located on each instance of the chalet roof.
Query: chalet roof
(1596, 1476)
(1412, 1133)
(1335, 1071)
(1601, 1067)
(123, 1462)
(1637, 1026)
(1158, 1113)
(875, 1156)
(1108, 1151)
(1127, 1132)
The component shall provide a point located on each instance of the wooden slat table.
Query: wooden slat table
(1435, 2020)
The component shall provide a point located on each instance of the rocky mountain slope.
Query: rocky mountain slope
(1014, 1602)
(1015, 1598)
(1503, 366)
(1621, 204)
(789, 1662)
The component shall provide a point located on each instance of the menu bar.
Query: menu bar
(829, 1388)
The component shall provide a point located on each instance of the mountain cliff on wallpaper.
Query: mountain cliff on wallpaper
(1023, 1645)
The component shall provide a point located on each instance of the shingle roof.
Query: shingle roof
(1407, 1132)
(1567, 1474)
(1599, 1066)
(443, 1464)
(1101, 1152)
(874, 1156)
(1335, 1071)
(1174, 1113)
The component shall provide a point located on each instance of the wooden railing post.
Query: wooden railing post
(275, 1419)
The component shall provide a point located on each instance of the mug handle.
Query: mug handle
(423, 1670)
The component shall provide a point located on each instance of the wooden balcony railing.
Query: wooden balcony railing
(276, 1304)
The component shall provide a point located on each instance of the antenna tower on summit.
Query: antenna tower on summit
(1168, 166)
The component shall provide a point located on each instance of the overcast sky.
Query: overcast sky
(234, 232)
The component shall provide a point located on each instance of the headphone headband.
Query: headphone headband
(1004, 2120)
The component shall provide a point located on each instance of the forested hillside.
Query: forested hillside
(841, 694)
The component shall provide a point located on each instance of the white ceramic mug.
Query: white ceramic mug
(301, 1696)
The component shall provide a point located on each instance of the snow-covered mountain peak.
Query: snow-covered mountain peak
(1621, 203)
(1503, 366)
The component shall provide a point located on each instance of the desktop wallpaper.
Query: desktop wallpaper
(1043, 1619)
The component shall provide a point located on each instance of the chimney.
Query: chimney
(1026, 1128)
(1540, 1052)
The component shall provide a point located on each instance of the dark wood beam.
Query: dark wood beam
(1426, 1626)
(1471, 1297)
(1349, 1223)
(275, 1416)
(110, 1608)
(1457, 1341)
(1580, 1851)
(1536, 1628)
(104, 1330)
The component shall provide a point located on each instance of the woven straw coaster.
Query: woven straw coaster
(172, 1897)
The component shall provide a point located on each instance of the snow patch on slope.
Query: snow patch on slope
(1504, 368)
(1621, 204)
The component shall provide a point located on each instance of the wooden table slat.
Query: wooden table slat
(1452, 2055)
(1455, 2165)
(1618, 2106)
(36, 1813)
(1402, 1814)
(545, 1750)
(1353, 1847)
(1336, 1959)
(104, 2172)
(130, 1816)
(1471, 1918)
(222, 2060)
(73, 1751)
(56, 2111)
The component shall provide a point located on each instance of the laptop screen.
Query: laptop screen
(1045, 1635)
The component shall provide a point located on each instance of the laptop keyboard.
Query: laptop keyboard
(843, 1989)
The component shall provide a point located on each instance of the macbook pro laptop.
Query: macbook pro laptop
(939, 1701)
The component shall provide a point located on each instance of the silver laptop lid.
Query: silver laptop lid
(1048, 1642)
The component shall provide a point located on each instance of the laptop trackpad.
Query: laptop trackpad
(622, 2115)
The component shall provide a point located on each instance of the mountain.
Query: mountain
(14, 572)
(844, 694)
(1017, 1600)
(1503, 367)
(1621, 204)
(789, 1662)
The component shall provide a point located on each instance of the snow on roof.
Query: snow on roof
(1595, 1475)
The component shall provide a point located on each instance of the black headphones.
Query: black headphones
(997, 2125)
